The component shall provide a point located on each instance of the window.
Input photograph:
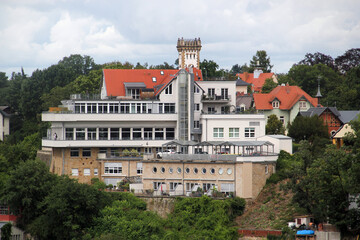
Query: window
(203, 170)
(197, 124)
(249, 132)
(170, 133)
(86, 152)
(103, 150)
(80, 133)
(136, 133)
(275, 104)
(187, 170)
(114, 152)
(196, 170)
(125, 134)
(125, 108)
(171, 170)
(266, 169)
(302, 104)
(113, 168)
(134, 93)
(69, 134)
(212, 170)
(113, 107)
(86, 171)
(227, 187)
(211, 110)
(191, 187)
(169, 107)
(79, 107)
(74, 152)
(196, 89)
(168, 90)
(154, 169)
(224, 93)
(154, 79)
(114, 133)
(162, 169)
(221, 171)
(75, 172)
(91, 108)
(102, 108)
(233, 132)
(178, 170)
(282, 119)
(211, 92)
(148, 133)
(229, 171)
(208, 186)
(103, 133)
(139, 168)
(91, 133)
(218, 132)
(158, 185)
(173, 185)
(159, 133)
(96, 171)
(197, 107)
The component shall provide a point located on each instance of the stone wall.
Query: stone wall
(161, 205)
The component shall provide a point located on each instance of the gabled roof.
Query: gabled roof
(287, 95)
(240, 82)
(347, 116)
(344, 116)
(256, 82)
(116, 80)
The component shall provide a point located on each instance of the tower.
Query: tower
(189, 52)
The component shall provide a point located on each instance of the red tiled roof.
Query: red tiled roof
(115, 78)
(287, 95)
(257, 82)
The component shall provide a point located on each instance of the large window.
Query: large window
(102, 108)
(91, 133)
(86, 171)
(134, 93)
(302, 104)
(125, 108)
(197, 124)
(218, 132)
(173, 186)
(69, 134)
(139, 168)
(113, 108)
(275, 104)
(114, 133)
(148, 133)
(136, 133)
(159, 133)
(114, 152)
(103, 133)
(113, 168)
(170, 133)
(233, 132)
(125, 134)
(74, 152)
(157, 185)
(211, 92)
(75, 172)
(80, 133)
(197, 107)
(249, 132)
(168, 90)
(211, 110)
(86, 152)
(169, 107)
(79, 107)
(224, 93)
(91, 108)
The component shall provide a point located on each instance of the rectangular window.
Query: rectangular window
(69, 134)
(227, 187)
(102, 150)
(189, 187)
(113, 108)
(211, 110)
(125, 108)
(125, 134)
(103, 133)
(136, 133)
(132, 107)
(196, 89)
(91, 108)
(170, 133)
(80, 133)
(159, 133)
(275, 104)
(114, 133)
(74, 172)
(134, 93)
(302, 104)
(114, 152)
(86, 171)
(148, 133)
(218, 132)
(249, 132)
(224, 93)
(113, 168)
(147, 150)
(102, 108)
(197, 124)
(86, 152)
(161, 107)
(282, 119)
(91, 133)
(79, 107)
(173, 186)
(168, 90)
(144, 108)
(233, 132)
(96, 171)
(211, 92)
(74, 152)
(197, 107)
(157, 185)
(139, 168)
(169, 107)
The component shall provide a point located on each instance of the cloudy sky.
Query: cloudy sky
(38, 33)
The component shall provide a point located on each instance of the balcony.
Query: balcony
(216, 98)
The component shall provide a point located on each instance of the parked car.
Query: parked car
(166, 151)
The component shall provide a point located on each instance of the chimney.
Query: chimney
(257, 72)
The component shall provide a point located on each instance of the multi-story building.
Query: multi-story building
(4, 122)
(118, 134)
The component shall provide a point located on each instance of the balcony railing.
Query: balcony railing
(212, 98)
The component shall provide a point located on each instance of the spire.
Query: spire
(318, 95)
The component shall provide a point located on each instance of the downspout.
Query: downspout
(63, 162)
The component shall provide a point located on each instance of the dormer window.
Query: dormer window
(302, 104)
(133, 92)
(275, 104)
(168, 90)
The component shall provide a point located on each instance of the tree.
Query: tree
(318, 58)
(6, 231)
(162, 66)
(268, 86)
(274, 125)
(308, 128)
(209, 68)
(260, 59)
(349, 60)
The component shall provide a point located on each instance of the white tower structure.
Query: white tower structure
(189, 52)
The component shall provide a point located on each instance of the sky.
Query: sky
(35, 34)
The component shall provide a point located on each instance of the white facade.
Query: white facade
(4, 125)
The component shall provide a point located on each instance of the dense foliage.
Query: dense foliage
(274, 125)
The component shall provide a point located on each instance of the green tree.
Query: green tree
(261, 59)
(318, 58)
(308, 128)
(274, 125)
(209, 68)
(165, 65)
(6, 231)
(268, 86)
